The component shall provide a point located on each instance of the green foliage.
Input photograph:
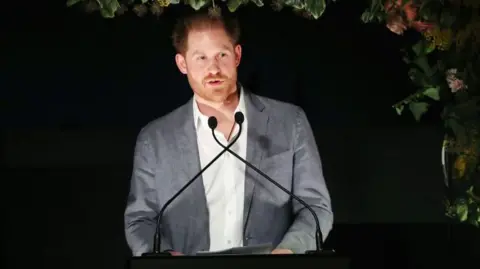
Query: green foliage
(433, 92)
(233, 5)
(315, 7)
(112, 8)
(375, 13)
(465, 209)
(198, 4)
(72, 2)
(418, 109)
(444, 65)
(108, 7)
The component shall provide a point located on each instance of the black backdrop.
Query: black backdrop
(76, 88)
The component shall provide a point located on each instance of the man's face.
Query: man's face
(210, 63)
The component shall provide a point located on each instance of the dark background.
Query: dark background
(76, 89)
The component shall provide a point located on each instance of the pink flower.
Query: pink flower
(396, 24)
(395, 21)
(454, 83)
(422, 26)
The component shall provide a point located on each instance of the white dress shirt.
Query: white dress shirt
(224, 181)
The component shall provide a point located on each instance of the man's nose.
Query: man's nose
(213, 68)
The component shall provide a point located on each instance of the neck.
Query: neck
(223, 110)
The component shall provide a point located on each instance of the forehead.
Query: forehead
(208, 37)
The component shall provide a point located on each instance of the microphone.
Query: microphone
(157, 237)
(239, 119)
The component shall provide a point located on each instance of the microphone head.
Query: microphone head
(239, 117)
(212, 122)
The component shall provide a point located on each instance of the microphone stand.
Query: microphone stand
(239, 118)
(157, 237)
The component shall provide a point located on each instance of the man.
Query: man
(230, 205)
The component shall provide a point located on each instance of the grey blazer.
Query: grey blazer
(280, 143)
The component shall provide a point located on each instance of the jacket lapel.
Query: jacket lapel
(188, 166)
(257, 132)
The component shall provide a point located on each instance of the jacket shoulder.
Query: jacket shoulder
(164, 123)
(279, 108)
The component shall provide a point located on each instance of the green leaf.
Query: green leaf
(399, 109)
(108, 7)
(144, 1)
(315, 7)
(198, 4)
(422, 63)
(418, 109)
(423, 47)
(72, 2)
(458, 130)
(430, 48)
(234, 4)
(478, 213)
(380, 17)
(372, 15)
(259, 3)
(471, 193)
(298, 4)
(462, 211)
(367, 16)
(433, 93)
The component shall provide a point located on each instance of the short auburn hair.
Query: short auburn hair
(201, 20)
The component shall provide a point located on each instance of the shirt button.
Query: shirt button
(229, 212)
(229, 242)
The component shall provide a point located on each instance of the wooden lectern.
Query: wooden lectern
(241, 262)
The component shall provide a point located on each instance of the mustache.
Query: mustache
(216, 77)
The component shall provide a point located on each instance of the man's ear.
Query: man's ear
(181, 64)
(238, 54)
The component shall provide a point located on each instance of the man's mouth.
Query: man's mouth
(215, 82)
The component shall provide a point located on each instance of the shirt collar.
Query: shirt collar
(199, 118)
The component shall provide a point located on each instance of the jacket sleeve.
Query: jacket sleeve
(308, 184)
(142, 205)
